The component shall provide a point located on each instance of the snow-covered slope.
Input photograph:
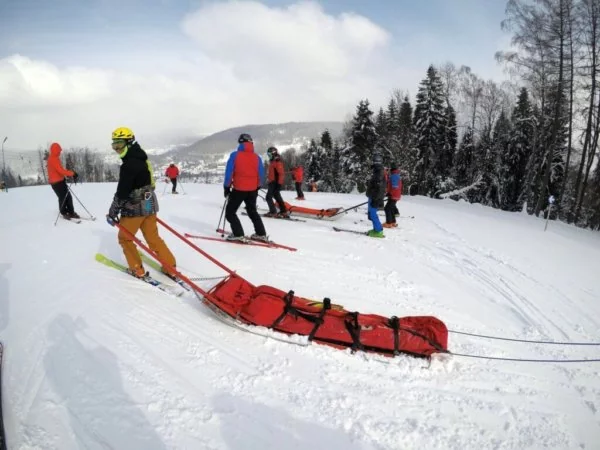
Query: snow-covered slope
(95, 359)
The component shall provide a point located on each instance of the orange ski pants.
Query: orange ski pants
(150, 231)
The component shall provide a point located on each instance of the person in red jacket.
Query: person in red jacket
(172, 173)
(298, 174)
(56, 178)
(275, 179)
(244, 173)
(394, 192)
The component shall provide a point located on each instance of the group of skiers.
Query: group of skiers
(135, 206)
(244, 173)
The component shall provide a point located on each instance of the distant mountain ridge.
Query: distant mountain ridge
(284, 135)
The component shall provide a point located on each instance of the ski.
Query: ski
(263, 243)
(246, 241)
(293, 219)
(156, 266)
(146, 279)
(364, 233)
(71, 220)
(2, 434)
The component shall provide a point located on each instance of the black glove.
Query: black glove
(112, 220)
(75, 177)
(226, 191)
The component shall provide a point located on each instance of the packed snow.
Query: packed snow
(96, 359)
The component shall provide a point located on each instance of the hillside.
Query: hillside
(284, 135)
(96, 359)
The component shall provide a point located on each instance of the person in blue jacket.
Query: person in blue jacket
(375, 192)
(244, 175)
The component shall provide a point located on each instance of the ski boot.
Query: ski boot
(260, 238)
(375, 234)
(138, 272)
(233, 238)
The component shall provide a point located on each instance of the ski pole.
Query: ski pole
(60, 209)
(222, 212)
(82, 205)
(181, 186)
(348, 209)
(165, 189)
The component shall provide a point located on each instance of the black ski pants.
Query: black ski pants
(65, 200)
(174, 182)
(274, 191)
(390, 211)
(299, 189)
(236, 198)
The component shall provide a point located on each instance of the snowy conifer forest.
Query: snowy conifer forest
(512, 145)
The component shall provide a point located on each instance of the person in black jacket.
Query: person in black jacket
(136, 203)
(376, 192)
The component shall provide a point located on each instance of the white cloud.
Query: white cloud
(243, 62)
(295, 41)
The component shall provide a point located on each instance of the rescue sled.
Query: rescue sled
(327, 323)
(313, 213)
(322, 322)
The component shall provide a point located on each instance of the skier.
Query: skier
(275, 180)
(56, 178)
(244, 174)
(3, 186)
(313, 186)
(172, 173)
(394, 192)
(298, 174)
(136, 203)
(375, 193)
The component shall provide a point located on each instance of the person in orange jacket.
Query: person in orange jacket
(298, 174)
(172, 173)
(394, 193)
(275, 179)
(56, 178)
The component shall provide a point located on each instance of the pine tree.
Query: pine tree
(514, 160)
(392, 118)
(381, 124)
(429, 132)
(446, 158)
(313, 161)
(407, 155)
(463, 160)
(332, 170)
(357, 156)
(326, 141)
(494, 170)
(483, 170)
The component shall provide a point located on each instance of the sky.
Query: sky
(73, 70)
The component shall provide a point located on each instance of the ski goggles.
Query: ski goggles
(118, 144)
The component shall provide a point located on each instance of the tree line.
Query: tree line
(510, 145)
(89, 165)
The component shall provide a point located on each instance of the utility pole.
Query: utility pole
(3, 160)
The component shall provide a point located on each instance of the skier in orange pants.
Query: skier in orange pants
(136, 203)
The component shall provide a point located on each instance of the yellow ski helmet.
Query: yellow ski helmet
(123, 133)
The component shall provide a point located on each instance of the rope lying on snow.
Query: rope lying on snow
(498, 358)
(522, 340)
(208, 278)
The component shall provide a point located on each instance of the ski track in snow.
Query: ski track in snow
(97, 360)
